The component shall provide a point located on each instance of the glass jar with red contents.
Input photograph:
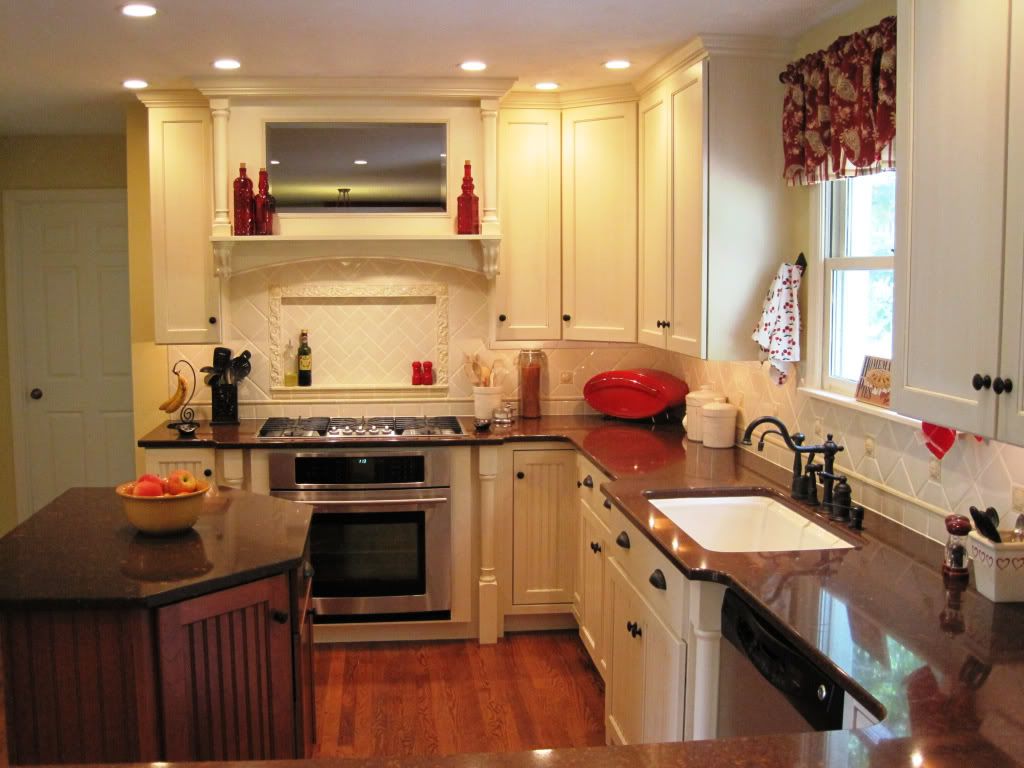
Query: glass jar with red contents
(531, 363)
(954, 562)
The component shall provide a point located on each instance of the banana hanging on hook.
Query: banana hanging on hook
(175, 401)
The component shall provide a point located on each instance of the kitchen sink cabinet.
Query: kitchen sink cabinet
(527, 289)
(712, 211)
(960, 235)
(544, 527)
(645, 696)
(186, 294)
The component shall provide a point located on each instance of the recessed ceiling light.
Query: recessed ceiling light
(473, 66)
(546, 86)
(358, 162)
(227, 64)
(135, 84)
(138, 10)
(275, 162)
(617, 64)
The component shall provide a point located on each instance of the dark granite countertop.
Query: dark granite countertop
(80, 549)
(944, 668)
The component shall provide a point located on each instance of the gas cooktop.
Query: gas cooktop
(377, 426)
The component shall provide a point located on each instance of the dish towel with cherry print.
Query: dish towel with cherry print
(778, 332)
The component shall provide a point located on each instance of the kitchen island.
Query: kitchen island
(118, 646)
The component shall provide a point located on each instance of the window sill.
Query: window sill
(856, 405)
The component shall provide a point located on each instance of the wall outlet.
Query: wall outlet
(869, 447)
(819, 428)
(934, 469)
(1018, 498)
(566, 377)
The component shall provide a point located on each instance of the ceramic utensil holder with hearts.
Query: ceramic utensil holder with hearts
(998, 568)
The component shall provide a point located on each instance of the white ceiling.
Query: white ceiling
(62, 61)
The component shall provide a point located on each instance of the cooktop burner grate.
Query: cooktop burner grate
(373, 426)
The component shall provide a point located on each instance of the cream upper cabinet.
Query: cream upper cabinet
(527, 291)
(712, 212)
(958, 253)
(599, 176)
(186, 295)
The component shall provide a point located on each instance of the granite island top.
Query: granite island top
(80, 550)
(942, 667)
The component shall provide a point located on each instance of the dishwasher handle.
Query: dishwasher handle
(814, 694)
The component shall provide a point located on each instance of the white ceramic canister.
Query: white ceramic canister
(694, 402)
(485, 400)
(719, 424)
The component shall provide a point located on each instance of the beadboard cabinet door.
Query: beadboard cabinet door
(527, 290)
(950, 219)
(543, 527)
(186, 295)
(594, 540)
(599, 222)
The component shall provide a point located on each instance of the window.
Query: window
(858, 276)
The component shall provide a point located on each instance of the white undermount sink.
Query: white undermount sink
(746, 524)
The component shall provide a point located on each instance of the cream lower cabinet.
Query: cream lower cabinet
(960, 246)
(591, 573)
(644, 700)
(712, 215)
(544, 530)
(186, 295)
(201, 462)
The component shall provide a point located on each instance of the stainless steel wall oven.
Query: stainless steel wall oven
(380, 539)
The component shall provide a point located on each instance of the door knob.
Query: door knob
(36, 394)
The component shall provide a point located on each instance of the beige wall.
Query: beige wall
(45, 162)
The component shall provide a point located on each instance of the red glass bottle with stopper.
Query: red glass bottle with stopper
(417, 372)
(428, 372)
(954, 563)
(468, 214)
(261, 205)
(242, 189)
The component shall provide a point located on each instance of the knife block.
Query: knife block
(225, 404)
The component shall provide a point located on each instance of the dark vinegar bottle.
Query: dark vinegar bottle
(305, 360)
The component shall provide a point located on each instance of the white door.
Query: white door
(70, 341)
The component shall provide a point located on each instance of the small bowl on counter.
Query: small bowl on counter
(162, 515)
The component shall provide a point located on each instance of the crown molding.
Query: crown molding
(475, 89)
(584, 97)
(703, 46)
(169, 98)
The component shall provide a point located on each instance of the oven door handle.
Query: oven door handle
(373, 502)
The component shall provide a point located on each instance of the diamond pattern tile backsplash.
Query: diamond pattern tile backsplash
(363, 342)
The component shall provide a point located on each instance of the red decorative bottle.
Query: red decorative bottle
(243, 202)
(261, 205)
(417, 373)
(468, 219)
(428, 372)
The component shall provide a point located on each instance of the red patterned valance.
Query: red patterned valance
(839, 111)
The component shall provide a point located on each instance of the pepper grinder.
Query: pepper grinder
(954, 564)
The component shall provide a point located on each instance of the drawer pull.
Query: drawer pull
(658, 579)
(622, 540)
(588, 481)
(607, 503)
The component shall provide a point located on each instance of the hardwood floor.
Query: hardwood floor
(529, 691)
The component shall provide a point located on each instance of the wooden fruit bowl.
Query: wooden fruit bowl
(162, 515)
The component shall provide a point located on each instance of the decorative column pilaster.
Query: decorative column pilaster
(488, 597)
(221, 221)
(489, 116)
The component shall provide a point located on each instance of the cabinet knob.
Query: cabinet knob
(207, 473)
(660, 324)
(502, 318)
(666, 324)
(520, 475)
(567, 317)
(279, 616)
(630, 626)
(588, 481)
(622, 540)
(36, 394)
(213, 320)
(636, 631)
(307, 570)
(1002, 385)
(658, 579)
(980, 382)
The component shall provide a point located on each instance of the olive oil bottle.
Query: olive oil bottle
(305, 360)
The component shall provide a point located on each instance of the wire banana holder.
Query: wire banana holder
(186, 423)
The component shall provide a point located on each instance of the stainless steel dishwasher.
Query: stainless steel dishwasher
(766, 684)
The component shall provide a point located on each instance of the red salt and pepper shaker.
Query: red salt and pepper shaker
(428, 372)
(417, 373)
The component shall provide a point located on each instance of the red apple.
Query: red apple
(181, 481)
(148, 476)
(148, 488)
